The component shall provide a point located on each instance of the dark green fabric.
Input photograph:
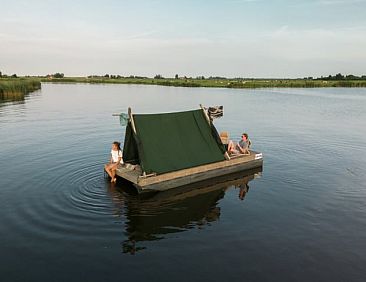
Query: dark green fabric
(130, 150)
(173, 141)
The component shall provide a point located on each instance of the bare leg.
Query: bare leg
(230, 146)
(113, 173)
(107, 168)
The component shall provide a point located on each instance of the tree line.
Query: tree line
(340, 76)
(335, 77)
(6, 75)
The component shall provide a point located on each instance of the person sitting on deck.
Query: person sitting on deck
(240, 148)
(116, 160)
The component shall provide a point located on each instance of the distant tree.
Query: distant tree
(158, 76)
(58, 75)
(106, 75)
(14, 75)
(339, 76)
(176, 76)
(217, 77)
(352, 77)
(1, 74)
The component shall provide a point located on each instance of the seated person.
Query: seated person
(115, 161)
(240, 148)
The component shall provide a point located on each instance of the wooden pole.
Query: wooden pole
(206, 115)
(226, 155)
(131, 119)
(133, 128)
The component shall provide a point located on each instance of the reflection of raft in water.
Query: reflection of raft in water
(154, 216)
(164, 151)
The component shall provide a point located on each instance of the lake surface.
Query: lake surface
(302, 219)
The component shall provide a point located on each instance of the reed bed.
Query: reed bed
(18, 86)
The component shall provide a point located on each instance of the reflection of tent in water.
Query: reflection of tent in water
(153, 216)
(175, 149)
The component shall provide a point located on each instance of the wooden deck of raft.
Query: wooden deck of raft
(182, 177)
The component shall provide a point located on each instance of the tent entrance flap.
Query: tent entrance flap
(130, 150)
(172, 141)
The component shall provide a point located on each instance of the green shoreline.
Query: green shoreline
(217, 83)
(13, 87)
(23, 85)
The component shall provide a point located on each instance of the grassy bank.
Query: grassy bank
(18, 86)
(222, 83)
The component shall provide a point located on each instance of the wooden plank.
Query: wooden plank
(198, 169)
(200, 173)
(218, 182)
(130, 175)
(177, 182)
(191, 175)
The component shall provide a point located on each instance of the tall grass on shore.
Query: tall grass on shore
(17, 87)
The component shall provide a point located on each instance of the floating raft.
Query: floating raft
(167, 150)
(187, 176)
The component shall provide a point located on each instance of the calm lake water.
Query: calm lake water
(302, 219)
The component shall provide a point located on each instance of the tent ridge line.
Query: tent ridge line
(206, 115)
(226, 155)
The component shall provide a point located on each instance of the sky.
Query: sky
(232, 38)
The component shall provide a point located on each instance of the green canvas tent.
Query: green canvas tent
(168, 142)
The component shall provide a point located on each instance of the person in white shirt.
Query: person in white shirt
(116, 160)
